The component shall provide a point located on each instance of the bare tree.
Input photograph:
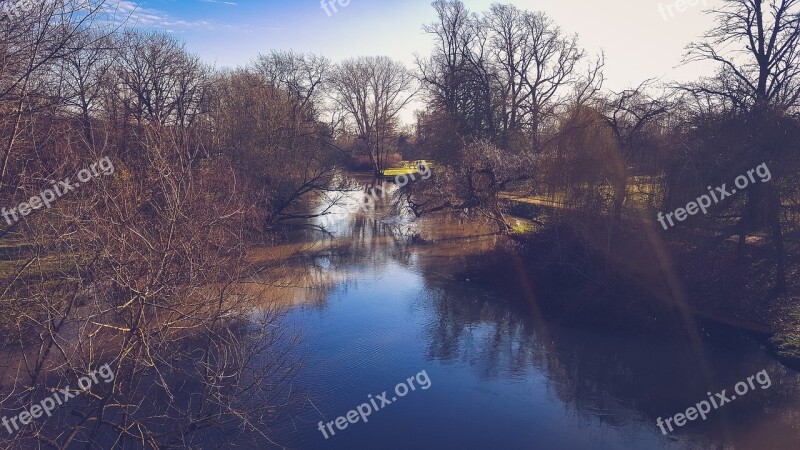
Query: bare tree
(158, 81)
(457, 76)
(471, 189)
(85, 76)
(373, 91)
(150, 280)
(537, 65)
(755, 43)
(498, 84)
(31, 40)
(500, 75)
(301, 76)
(628, 114)
(283, 154)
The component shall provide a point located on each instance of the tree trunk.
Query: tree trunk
(774, 211)
(749, 216)
(620, 193)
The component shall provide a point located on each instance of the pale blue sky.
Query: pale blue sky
(638, 41)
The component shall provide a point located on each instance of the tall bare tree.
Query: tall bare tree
(32, 39)
(757, 46)
(456, 76)
(300, 76)
(159, 81)
(373, 91)
(755, 43)
(536, 63)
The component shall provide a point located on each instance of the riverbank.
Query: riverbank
(637, 283)
(632, 282)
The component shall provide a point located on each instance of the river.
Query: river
(376, 305)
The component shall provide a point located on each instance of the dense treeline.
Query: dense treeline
(515, 105)
(138, 267)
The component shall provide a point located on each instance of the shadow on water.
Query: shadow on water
(377, 307)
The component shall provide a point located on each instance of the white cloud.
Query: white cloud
(129, 13)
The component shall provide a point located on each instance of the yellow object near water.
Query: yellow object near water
(407, 168)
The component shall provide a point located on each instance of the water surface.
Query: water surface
(377, 306)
